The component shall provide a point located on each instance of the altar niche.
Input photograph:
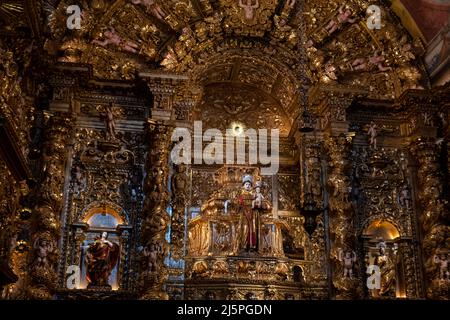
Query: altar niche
(237, 220)
(100, 239)
(383, 247)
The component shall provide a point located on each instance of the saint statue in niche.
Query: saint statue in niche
(101, 258)
(386, 261)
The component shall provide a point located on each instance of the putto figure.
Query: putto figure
(372, 63)
(44, 247)
(348, 259)
(111, 37)
(405, 197)
(345, 15)
(153, 7)
(249, 6)
(150, 258)
(441, 260)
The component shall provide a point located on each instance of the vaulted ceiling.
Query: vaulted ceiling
(276, 48)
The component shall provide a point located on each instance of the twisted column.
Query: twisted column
(155, 217)
(45, 227)
(434, 217)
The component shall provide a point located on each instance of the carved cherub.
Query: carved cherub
(179, 180)
(150, 254)
(330, 71)
(405, 49)
(111, 37)
(377, 60)
(442, 261)
(345, 15)
(249, 6)
(348, 259)
(153, 7)
(43, 248)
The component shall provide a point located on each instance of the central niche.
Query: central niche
(236, 241)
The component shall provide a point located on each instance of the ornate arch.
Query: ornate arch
(104, 207)
(176, 35)
(380, 218)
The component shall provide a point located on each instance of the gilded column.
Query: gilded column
(155, 216)
(45, 226)
(342, 235)
(312, 189)
(179, 183)
(433, 218)
(342, 240)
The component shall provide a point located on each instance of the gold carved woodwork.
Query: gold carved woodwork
(155, 218)
(179, 198)
(46, 214)
(253, 60)
(434, 210)
(338, 51)
(341, 215)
